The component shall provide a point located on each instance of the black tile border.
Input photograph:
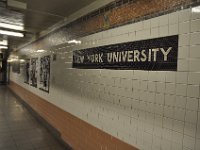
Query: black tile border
(53, 131)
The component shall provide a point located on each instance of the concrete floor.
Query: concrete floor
(19, 130)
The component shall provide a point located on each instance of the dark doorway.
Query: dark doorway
(3, 68)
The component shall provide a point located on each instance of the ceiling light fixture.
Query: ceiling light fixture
(4, 42)
(196, 9)
(3, 47)
(40, 51)
(10, 26)
(22, 60)
(12, 33)
(74, 41)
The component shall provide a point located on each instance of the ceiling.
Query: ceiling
(37, 16)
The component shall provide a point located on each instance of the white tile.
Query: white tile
(173, 29)
(194, 38)
(143, 34)
(194, 78)
(137, 26)
(183, 52)
(154, 32)
(198, 131)
(195, 25)
(190, 129)
(170, 77)
(180, 102)
(122, 29)
(126, 83)
(164, 30)
(195, 15)
(188, 142)
(181, 77)
(143, 85)
(173, 18)
(197, 145)
(194, 65)
(195, 51)
(165, 144)
(184, 39)
(198, 118)
(147, 24)
(193, 91)
(151, 86)
(178, 126)
(151, 97)
(158, 121)
(181, 89)
(184, 27)
(191, 116)
(170, 88)
(163, 20)
(155, 22)
(176, 146)
(183, 65)
(144, 96)
(177, 137)
(136, 84)
(159, 98)
(160, 76)
(132, 36)
(169, 100)
(179, 114)
(158, 109)
(167, 123)
(192, 103)
(184, 15)
(168, 111)
(160, 87)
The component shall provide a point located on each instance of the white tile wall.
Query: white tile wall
(163, 107)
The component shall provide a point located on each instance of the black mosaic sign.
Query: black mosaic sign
(158, 54)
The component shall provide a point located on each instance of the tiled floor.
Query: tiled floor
(19, 130)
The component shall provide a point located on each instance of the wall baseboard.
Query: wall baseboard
(41, 120)
(71, 131)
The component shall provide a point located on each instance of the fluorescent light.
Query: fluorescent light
(196, 9)
(4, 42)
(40, 51)
(3, 47)
(11, 33)
(10, 26)
(74, 41)
(22, 60)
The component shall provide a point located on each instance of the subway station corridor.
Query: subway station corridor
(100, 74)
(19, 130)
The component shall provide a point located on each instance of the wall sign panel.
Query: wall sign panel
(158, 54)
(44, 73)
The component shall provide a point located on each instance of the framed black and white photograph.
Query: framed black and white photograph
(34, 72)
(27, 71)
(44, 73)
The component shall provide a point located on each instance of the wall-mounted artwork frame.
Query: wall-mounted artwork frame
(27, 71)
(16, 66)
(44, 73)
(34, 72)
